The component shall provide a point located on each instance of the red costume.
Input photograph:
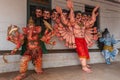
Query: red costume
(77, 31)
(81, 48)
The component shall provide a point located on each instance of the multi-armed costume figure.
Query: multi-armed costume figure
(33, 51)
(77, 30)
(108, 42)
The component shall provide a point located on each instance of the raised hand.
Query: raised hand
(58, 9)
(94, 12)
(96, 8)
(69, 4)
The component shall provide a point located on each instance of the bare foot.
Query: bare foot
(86, 69)
(88, 66)
(39, 72)
(20, 77)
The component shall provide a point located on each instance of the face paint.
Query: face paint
(108, 35)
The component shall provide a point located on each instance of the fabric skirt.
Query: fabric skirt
(81, 48)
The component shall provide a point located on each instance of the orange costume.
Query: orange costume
(33, 51)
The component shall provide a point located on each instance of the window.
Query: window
(32, 4)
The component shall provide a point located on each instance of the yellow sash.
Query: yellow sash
(110, 48)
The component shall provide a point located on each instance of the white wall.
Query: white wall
(11, 12)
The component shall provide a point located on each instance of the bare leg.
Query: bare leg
(84, 65)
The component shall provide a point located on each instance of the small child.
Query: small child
(108, 50)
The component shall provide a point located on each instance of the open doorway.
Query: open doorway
(32, 4)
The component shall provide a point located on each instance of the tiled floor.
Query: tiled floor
(100, 72)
